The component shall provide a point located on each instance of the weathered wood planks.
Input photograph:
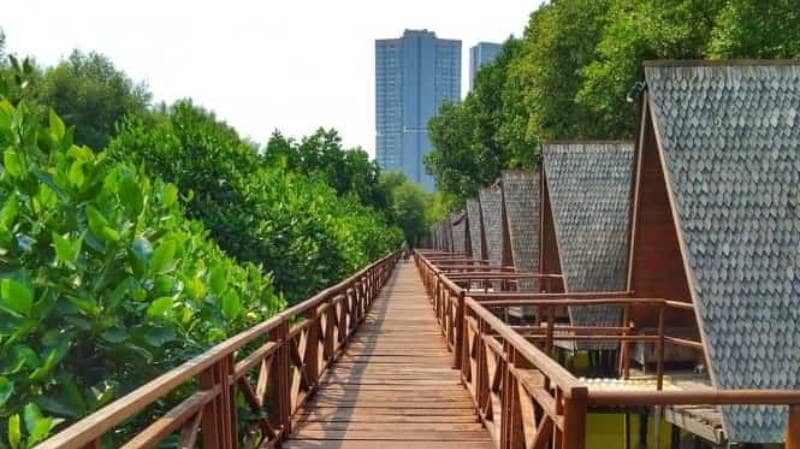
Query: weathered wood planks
(394, 387)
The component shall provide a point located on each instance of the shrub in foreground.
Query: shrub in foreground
(104, 283)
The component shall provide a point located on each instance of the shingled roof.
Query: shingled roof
(491, 199)
(521, 206)
(442, 236)
(730, 138)
(475, 228)
(458, 225)
(589, 186)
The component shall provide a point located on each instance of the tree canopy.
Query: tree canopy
(296, 210)
(321, 155)
(569, 77)
(90, 93)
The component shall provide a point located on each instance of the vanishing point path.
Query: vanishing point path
(394, 387)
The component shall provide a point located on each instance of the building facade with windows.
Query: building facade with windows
(480, 54)
(414, 75)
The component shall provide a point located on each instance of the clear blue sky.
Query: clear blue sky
(260, 65)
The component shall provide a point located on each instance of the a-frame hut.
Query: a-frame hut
(475, 225)
(458, 223)
(716, 221)
(587, 200)
(491, 201)
(521, 209)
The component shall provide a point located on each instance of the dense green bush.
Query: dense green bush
(322, 156)
(267, 210)
(103, 282)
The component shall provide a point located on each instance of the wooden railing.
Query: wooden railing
(275, 366)
(524, 397)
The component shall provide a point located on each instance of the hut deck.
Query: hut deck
(703, 421)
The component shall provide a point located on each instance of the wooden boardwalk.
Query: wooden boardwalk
(394, 387)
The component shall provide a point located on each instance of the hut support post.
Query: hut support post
(793, 428)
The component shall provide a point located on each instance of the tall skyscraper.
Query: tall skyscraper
(480, 54)
(414, 75)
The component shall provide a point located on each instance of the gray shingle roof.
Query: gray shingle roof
(730, 135)
(492, 211)
(458, 228)
(521, 206)
(443, 236)
(447, 231)
(589, 185)
(475, 228)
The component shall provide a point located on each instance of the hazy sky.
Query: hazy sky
(293, 65)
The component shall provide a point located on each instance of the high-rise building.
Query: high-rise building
(480, 54)
(414, 75)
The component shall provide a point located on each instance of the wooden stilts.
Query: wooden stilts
(626, 428)
(643, 430)
(675, 437)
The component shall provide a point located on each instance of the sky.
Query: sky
(291, 65)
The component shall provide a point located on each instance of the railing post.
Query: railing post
(481, 381)
(511, 428)
(793, 428)
(311, 356)
(624, 353)
(219, 418)
(355, 310)
(551, 317)
(96, 444)
(660, 350)
(444, 314)
(435, 296)
(280, 382)
(575, 409)
(329, 345)
(459, 328)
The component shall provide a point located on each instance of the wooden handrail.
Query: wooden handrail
(342, 307)
(559, 375)
(495, 360)
(504, 296)
(492, 268)
(488, 275)
(570, 300)
(708, 396)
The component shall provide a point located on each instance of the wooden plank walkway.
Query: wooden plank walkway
(394, 387)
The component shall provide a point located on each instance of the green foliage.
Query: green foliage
(440, 206)
(278, 211)
(18, 80)
(559, 41)
(757, 29)
(638, 30)
(322, 156)
(409, 203)
(92, 95)
(474, 140)
(570, 76)
(104, 283)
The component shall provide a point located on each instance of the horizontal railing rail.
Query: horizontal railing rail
(468, 268)
(274, 376)
(496, 276)
(527, 399)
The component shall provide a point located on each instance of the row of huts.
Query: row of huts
(703, 207)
